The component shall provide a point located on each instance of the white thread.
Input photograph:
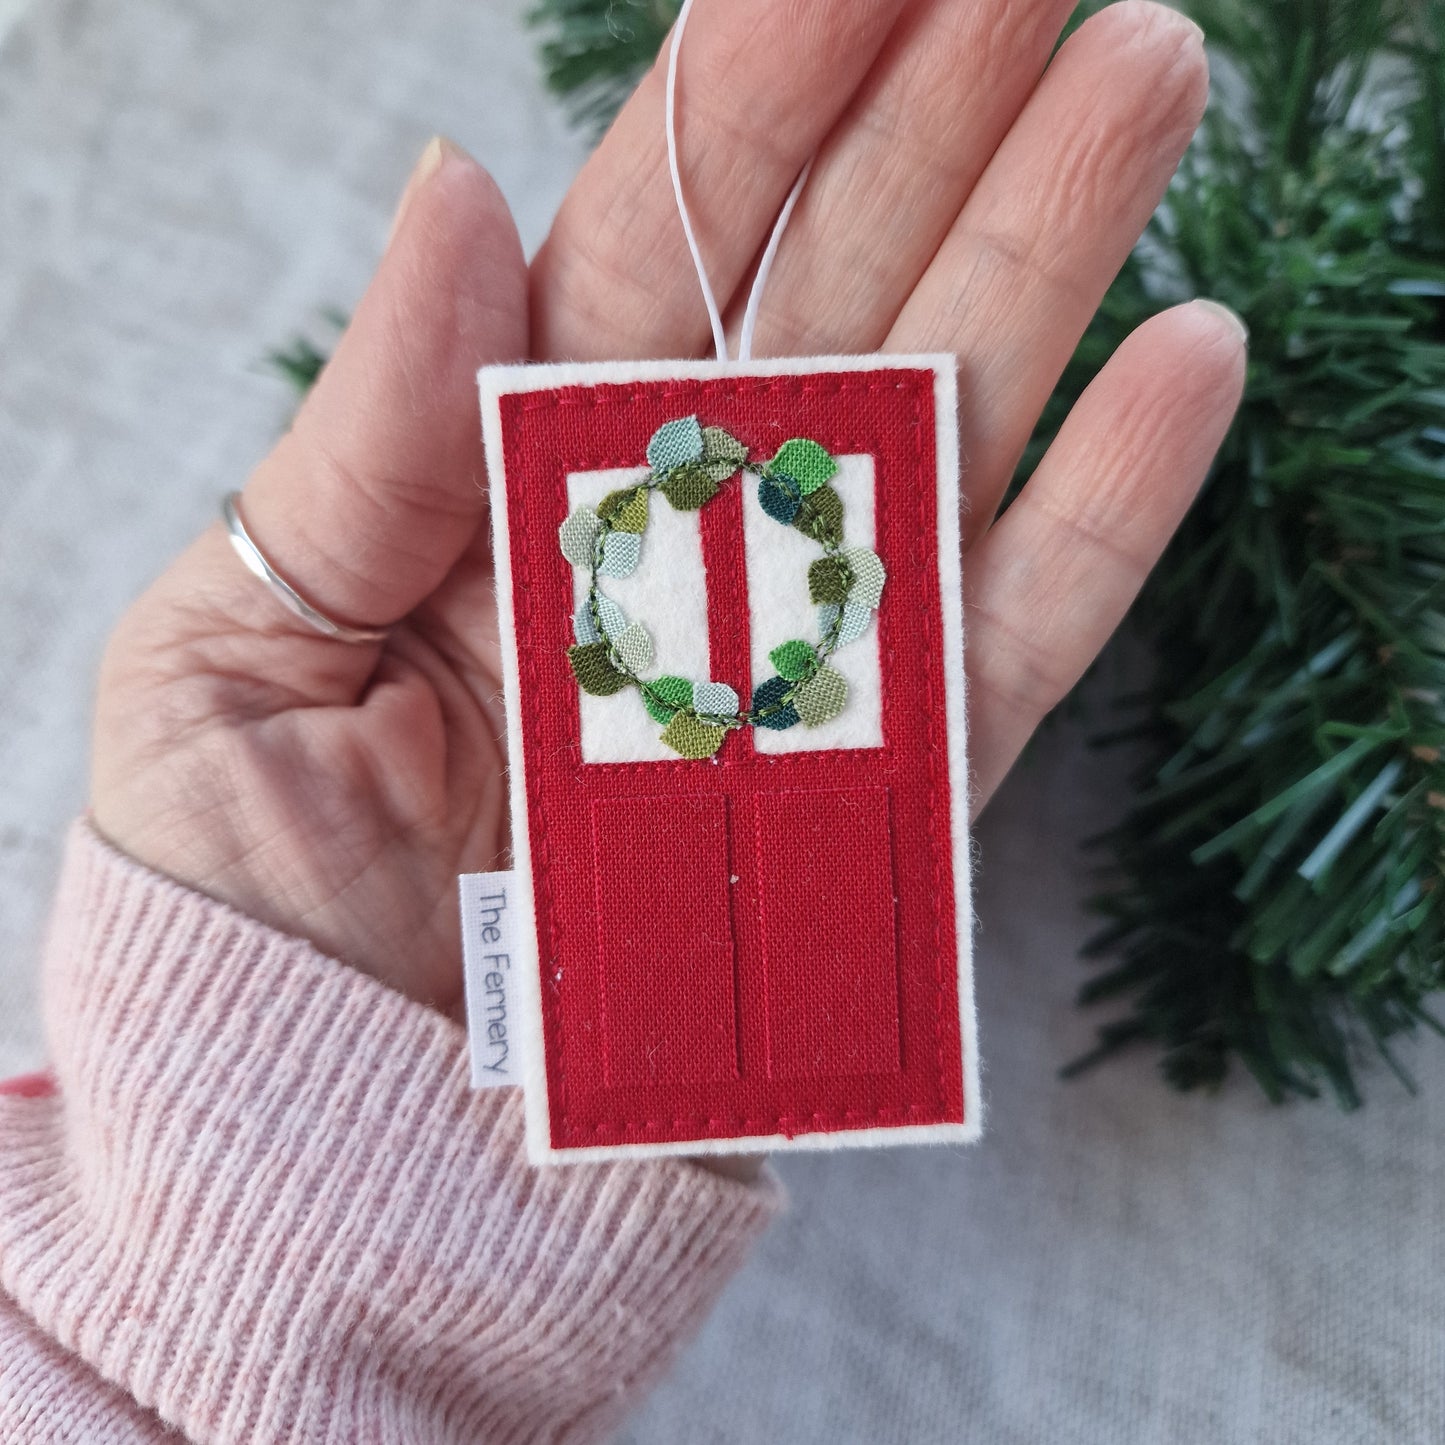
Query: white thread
(765, 266)
(719, 336)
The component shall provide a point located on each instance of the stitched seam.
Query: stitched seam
(780, 1123)
(837, 386)
(933, 626)
(541, 887)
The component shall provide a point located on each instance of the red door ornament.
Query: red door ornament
(732, 642)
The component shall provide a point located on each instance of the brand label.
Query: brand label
(489, 917)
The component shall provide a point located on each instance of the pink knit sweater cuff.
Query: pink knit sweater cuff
(265, 1206)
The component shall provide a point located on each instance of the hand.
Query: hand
(959, 203)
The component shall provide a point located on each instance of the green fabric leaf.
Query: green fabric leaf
(693, 738)
(633, 516)
(794, 660)
(806, 462)
(828, 580)
(577, 536)
(663, 697)
(689, 488)
(821, 516)
(868, 577)
(821, 697)
(594, 669)
(620, 508)
(718, 446)
(634, 646)
(675, 443)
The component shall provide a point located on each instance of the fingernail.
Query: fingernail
(1219, 309)
(427, 165)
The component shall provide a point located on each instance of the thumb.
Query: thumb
(378, 488)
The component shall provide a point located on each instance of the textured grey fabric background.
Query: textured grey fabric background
(181, 185)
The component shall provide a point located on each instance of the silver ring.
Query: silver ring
(258, 566)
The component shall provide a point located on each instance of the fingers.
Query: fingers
(1053, 217)
(892, 177)
(1054, 576)
(760, 83)
(373, 495)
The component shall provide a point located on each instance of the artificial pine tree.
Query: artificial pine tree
(1277, 888)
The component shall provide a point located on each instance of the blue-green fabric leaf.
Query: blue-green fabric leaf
(674, 444)
(583, 625)
(779, 498)
(767, 697)
(633, 646)
(856, 617)
(719, 446)
(868, 576)
(578, 535)
(715, 698)
(621, 552)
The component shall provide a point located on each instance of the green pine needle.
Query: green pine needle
(597, 50)
(300, 361)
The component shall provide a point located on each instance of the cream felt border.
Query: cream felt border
(498, 381)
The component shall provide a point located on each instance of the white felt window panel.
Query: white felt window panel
(778, 559)
(667, 594)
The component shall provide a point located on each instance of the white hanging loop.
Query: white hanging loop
(765, 266)
(719, 336)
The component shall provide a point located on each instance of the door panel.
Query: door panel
(826, 878)
(764, 944)
(668, 963)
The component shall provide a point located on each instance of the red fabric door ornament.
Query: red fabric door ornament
(732, 641)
